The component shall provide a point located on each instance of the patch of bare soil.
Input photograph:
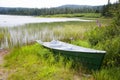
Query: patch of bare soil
(3, 72)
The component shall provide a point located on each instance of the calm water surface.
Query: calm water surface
(12, 20)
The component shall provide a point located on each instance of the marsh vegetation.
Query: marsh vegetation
(44, 31)
(28, 60)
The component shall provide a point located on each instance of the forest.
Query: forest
(65, 9)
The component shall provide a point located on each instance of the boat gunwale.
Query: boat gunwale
(92, 52)
(75, 51)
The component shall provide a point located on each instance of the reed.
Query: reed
(46, 32)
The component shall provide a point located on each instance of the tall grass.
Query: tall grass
(33, 62)
(4, 37)
(1, 37)
(36, 63)
(46, 32)
(107, 74)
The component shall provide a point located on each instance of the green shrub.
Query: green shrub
(108, 39)
(112, 46)
(95, 36)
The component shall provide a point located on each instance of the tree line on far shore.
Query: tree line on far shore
(66, 9)
(108, 10)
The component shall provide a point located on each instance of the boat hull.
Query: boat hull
(91, 61)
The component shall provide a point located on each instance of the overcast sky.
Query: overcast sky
(50, 3)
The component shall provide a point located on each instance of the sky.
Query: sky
(50, 3)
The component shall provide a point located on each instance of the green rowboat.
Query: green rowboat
(90, 58)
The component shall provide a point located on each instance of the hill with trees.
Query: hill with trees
(65, 9)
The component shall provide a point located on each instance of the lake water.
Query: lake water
(15, 20)
(26, 32)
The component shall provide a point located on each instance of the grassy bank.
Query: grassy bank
(87, 15)
(34, 62)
